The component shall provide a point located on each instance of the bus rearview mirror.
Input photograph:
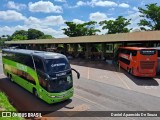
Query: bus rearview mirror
(78, 74)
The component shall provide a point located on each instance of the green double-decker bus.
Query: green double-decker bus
(47, 75)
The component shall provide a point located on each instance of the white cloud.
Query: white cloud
(53, 32)
(60, 0)
(103, 3)
(17, 6)
(44, 6)
(94, 3)
(47, 21)
(97, 16)
(124, 5)
(54, 20)
(103, 32)
(134, 16)
(77, 21)
(9, 30)
(11, 15)
(32, 21)
(134, 20)
(135, 8)
(45, 25)
(81, 3)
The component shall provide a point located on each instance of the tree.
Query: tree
(46, 37)
(2, 40)
(20, 32)
(34, 34)
(116, 26)
(3, 36)
(150, 17)
(84, 29)
(28, 35)
(19, 35)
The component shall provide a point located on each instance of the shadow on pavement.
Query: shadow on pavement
(24, 101)
(93, 64)
(141, 81)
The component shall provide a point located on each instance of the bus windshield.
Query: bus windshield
(60, 85)
(148, 52)
(56, 65)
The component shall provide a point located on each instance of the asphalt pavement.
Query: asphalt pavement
(91, 94)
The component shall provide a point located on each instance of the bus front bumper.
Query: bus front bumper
(58, 97)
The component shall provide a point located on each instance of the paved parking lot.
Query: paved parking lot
(108, 74)
(100, 88)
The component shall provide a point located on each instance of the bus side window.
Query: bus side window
(158, 53)
(134, 52)
(38, 64)
(28, 61)
(40, 72)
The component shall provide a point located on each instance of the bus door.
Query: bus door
(42, 77)
(147, 61)
(158, 66)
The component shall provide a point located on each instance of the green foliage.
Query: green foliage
(150, 17)
(84, 29)
(46, 37)
(6, 106)
(116, 26)
(19, 37)
(27, 35)
(3, 36)
(2, 40)
(20, 32)
(34, 34)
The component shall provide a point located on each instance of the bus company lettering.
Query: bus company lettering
(14, 114)
(21, 67)
(56, 65)
(124, 56)
(61, 74)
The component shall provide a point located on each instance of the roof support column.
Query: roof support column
(103, 50)
(113, 50)
(65, 48)
(75, 48)
(88, 50)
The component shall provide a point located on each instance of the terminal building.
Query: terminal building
(97, 47)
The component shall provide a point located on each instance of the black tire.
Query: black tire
(131, 71)
(10, 77)
(128, 70)
(35, 92)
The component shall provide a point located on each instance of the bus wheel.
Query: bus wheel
(35, 92)
(131, 71)
(10, 77)
(128, 70)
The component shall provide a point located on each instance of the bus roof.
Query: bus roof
(135, 48)
(42, 54)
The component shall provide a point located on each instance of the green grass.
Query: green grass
(6, 106)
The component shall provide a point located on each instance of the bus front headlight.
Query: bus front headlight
(51, 96)
(69, 80)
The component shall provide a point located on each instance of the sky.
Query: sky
(49, 16)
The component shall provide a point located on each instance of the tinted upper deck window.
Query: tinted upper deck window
(56, 65)
(148, 52)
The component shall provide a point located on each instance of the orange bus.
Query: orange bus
(138, 61)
